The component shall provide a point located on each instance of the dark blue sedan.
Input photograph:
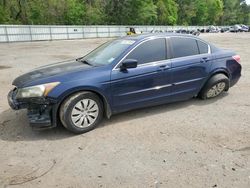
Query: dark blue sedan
(124, 74)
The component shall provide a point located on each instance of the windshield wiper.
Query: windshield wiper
(84, 61)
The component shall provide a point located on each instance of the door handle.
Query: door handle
(204, 59)
(164, 67)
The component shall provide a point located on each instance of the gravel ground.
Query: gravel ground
(187, 144)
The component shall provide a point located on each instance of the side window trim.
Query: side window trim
(116, 67)
(168, 48)
(198, 47)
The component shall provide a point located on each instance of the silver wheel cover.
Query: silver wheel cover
(84, 113)
(216, 90)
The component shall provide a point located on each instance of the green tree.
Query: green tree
(201, 13)
(187, 12)
(146, 13)
(129, 12)
(125, 12)
(74, 13)
(244, 13)
(229, 16)
(4, 17)
(215, 11)
(95, 13)
(117, 12)
(166, 12)
(37, 13)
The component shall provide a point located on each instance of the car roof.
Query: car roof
(139, 37)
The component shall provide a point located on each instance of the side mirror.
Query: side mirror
(129, 64)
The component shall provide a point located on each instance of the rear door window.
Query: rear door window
(149, 51)
(184, 47)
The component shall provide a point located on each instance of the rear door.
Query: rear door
(191, 62)
(145, 84)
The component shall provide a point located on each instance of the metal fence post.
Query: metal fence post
(96, 30)
(6, 34)
(50, 33)
(83, 32)
(120, 33)
(30, 33)
(109, 31)
(67, 30)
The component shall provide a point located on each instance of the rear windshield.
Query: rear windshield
(108, 52)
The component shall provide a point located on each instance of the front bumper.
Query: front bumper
(12, 101)
(41, 111)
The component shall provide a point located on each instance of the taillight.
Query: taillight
(236, 58)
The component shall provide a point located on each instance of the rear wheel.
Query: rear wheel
(81, 112)
(215, 86)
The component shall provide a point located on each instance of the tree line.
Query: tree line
(124, 12)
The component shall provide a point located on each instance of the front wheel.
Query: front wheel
(215, 86)
(81, 112)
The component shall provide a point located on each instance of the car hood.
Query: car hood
(49, 71)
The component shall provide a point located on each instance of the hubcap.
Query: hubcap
(84, 113)
(216, 90)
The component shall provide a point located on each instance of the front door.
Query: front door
(148, 83)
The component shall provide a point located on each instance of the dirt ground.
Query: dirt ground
(187, 144)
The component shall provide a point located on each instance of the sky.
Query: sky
(248, 2)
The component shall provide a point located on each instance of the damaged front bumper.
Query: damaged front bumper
(41, 111)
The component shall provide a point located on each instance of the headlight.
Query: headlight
(36, 91)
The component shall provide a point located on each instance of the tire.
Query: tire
(216, 85)
(89, 107)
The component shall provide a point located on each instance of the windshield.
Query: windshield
(108, 52)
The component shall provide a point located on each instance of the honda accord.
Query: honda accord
(126, 73)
